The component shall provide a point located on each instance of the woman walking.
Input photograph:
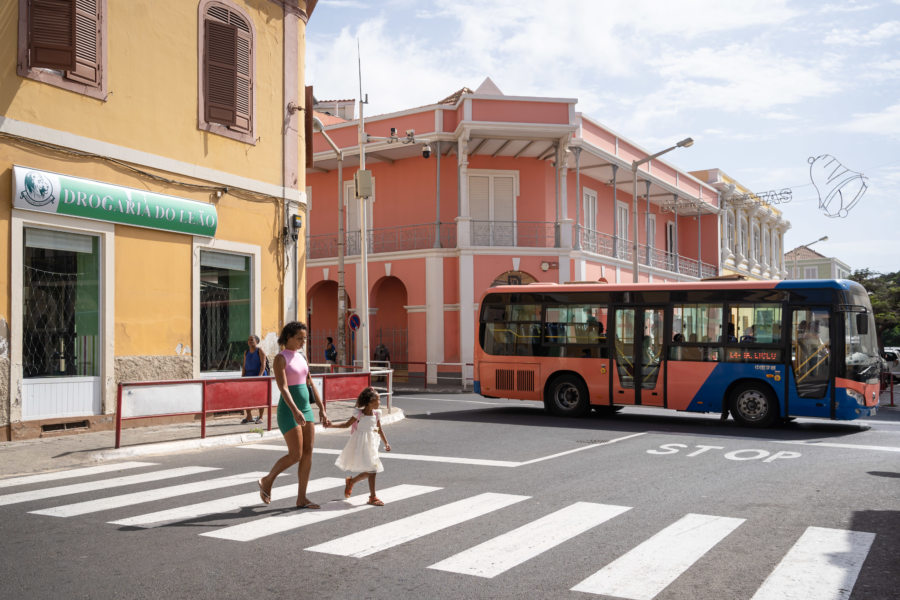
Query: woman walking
(295, 416)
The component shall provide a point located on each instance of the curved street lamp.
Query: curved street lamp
(685, 143)
(824, 238)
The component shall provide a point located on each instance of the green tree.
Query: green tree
(884, 292)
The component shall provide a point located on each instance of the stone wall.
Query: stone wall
(153, 368)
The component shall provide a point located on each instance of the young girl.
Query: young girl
(361, 452)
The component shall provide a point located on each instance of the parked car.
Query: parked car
(892, 362)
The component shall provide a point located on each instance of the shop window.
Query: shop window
(227, 57)
(63, 43)
(60, 304)
(225, 291)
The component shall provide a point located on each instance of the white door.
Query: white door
(622, 228)
(670, 245)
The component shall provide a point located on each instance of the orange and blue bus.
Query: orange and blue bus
(761, 351)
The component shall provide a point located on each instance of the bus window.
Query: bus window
(512, 329)
(575, 330)
(811, 351)
(697, 323)
(756, 323)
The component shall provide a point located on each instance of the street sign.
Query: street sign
(353, 321)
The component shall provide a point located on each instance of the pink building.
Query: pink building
(516, 189)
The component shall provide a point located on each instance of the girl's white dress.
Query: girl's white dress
(360, 455)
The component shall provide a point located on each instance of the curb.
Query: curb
(236, 439)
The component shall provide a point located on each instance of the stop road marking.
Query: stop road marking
(745, 454)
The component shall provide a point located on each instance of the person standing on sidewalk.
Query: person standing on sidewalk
(330, 351)
(254, 365)
(295, 416)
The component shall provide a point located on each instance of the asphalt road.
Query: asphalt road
(486, 499)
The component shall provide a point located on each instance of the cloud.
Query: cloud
(846, 7)
(885, 122)
(853, 37)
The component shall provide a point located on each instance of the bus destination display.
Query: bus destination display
(752, 355)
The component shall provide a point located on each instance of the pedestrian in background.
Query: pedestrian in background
(295, 416)
(330, 351)
(360, 454)
(255, 365)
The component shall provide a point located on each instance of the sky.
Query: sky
(762, 86)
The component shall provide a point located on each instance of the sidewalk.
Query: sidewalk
(67, 451)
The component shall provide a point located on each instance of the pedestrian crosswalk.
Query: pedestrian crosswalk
(822, 563)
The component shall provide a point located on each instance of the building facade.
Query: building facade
(806, 263)
(151, 169)
(752, 230)
(515, 189)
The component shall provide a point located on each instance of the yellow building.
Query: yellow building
(751, 228)
(152, 192)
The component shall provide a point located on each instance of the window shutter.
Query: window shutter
(220, 57)
(244, 74)
(51, 34)
(87, 42)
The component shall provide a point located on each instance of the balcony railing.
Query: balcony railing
(521, 234)
(603, 243)
(385, 239)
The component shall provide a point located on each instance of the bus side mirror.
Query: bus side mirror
(862, 323)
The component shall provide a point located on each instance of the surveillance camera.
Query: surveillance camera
(393, 132)
(426, 151)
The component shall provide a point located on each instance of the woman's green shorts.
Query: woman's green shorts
(300, 395)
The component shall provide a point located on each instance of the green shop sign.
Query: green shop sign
(76, 197)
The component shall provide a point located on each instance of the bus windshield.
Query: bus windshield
(861, 352)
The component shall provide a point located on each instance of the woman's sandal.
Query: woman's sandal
(348, 488)
(263, 494)
(310, 505)
(374, 501)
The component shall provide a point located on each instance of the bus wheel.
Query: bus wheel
(567, 396)
(753, 405)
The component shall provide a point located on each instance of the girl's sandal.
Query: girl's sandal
(374, 501)
(348, 488)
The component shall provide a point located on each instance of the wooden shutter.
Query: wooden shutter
(308, 126)
(87, 42)
(244, 74)
(220, 58)
(51, 34)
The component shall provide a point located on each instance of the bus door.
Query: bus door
(811, 362)
(638, 358)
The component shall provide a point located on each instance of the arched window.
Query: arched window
(756, 239)
(729, 228)
(744, 234)
(226, 74)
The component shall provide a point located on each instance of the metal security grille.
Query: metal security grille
(217, 351)
(51, 345)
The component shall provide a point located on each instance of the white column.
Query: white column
(434, 315)
(463, 237)
(466, 311)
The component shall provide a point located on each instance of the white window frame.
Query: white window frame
(22, 219)
(811, 272)
(492, 174)
(589, 202)
(225, 247)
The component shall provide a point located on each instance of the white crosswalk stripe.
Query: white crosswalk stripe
(253, 530)
(649, 568)
(112, 502)
(398, 532)
(823, 564)
(224, 505)
(511, 549)
(77, 488)
(72, 473)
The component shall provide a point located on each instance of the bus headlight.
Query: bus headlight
(856, 397)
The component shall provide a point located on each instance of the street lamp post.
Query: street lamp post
(341, 300)
(824, 238)
(686, 142)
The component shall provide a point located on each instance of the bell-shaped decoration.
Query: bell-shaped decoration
(839, 188)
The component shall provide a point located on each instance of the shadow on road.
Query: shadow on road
(634, 421)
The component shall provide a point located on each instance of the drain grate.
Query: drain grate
(55, 427)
